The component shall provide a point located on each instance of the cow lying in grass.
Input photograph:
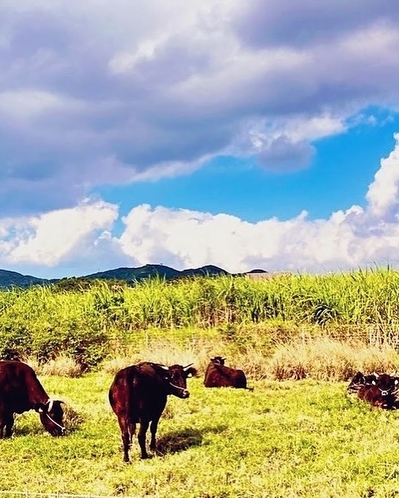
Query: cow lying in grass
(360, 380)
(218, 375)
(380, 390)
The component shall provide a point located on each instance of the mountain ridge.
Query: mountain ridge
(10, 278)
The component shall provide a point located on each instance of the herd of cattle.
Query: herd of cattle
(138, 395)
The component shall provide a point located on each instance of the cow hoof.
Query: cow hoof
(146, 457)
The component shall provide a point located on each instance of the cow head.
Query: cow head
(386, 384)
(218, 360)
(51, 414)
(176, 378)
(359, 380)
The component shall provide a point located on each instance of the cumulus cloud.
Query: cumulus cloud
(283, 155)
(280, 22)
(347, 239)
(382, 194)
(58, 237)
(85, 237)
(158, 88)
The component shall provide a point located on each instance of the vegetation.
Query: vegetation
(290, 439)
(92, 322)
(297, 435)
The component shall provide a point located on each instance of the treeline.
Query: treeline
(85, 321)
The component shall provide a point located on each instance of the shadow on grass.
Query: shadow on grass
(177, 441)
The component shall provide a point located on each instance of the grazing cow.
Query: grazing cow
(21, 391)
(139, 393)
(360, 380)
(218, 375)
(381, 393)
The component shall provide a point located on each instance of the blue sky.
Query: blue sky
(240, 134)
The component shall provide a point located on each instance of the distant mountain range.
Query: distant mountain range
(14, 279)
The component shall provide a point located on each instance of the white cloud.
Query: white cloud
(84, 236)
(160, 87)
(27, 103)
(382, 194)
(347, 239)
(49, 239)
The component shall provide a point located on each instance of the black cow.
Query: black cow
(139, 393)
(381, 393)
(218, 375)
(360, 380)
(21, 391)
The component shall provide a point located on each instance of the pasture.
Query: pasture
(285, 439)
(299, 338)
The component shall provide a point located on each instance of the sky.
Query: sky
(261, 134)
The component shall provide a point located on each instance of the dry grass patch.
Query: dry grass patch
(63, 366)
(328, 359)
(168, 352)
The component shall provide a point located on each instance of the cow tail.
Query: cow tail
(131, 387)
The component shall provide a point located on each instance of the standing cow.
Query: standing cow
(21, 391)
(139, 393)
(218, 375)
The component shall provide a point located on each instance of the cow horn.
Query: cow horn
(188, 366)
(164, 367)
(50, 403)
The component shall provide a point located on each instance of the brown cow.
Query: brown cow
(218, 375)
(139, 393)
(360, 380)
(382, 392)
(21, 391)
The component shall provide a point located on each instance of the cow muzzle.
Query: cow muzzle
(185, 394)
(181, 392)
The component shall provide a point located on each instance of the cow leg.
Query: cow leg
(8, 422)
(126, 437)
(154, 427)
(141, 437)
(2, 424)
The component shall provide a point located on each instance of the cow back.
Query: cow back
(20, 389)
(139, 391)
(218, 375)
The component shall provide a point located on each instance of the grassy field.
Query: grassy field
(285, 439)
(297, 435)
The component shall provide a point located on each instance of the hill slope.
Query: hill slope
(14, 279)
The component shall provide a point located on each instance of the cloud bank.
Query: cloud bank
(115, 92)
(85, 235)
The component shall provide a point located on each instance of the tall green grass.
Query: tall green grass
(89, 324)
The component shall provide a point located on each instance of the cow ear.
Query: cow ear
(191, 372)
(56, 401)
(40, 407)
